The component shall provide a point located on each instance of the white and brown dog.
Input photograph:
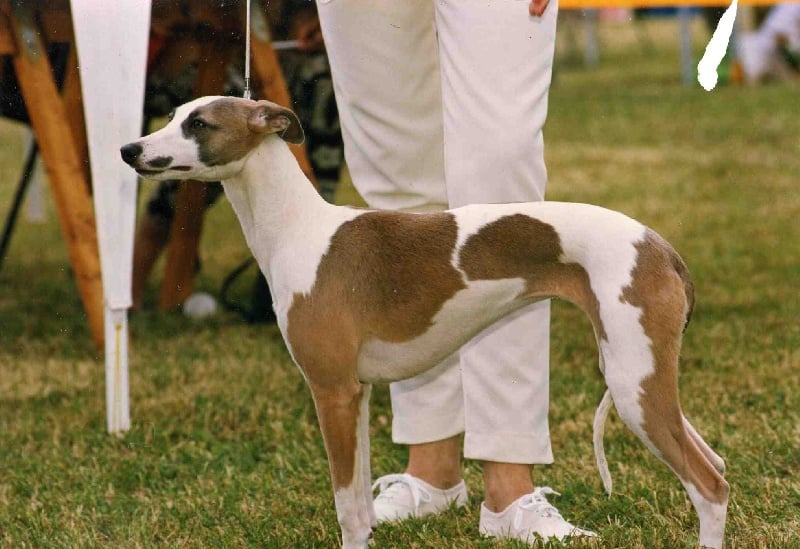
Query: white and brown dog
(366, 296)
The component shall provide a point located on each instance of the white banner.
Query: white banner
(112, 39)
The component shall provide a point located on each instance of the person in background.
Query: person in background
(772, 52)
(442, 104)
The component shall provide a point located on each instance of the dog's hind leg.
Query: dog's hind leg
(649, 405)
(643, 331)
(340, 408)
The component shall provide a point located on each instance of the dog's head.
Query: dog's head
(210, 138)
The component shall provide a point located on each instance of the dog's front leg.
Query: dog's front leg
(363, 463)
(339, 408)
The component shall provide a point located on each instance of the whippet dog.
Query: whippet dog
(366, 296)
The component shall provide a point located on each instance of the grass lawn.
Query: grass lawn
(225, 451)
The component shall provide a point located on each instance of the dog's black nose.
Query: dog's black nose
(130, 152)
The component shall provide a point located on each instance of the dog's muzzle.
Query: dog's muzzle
(131, 155)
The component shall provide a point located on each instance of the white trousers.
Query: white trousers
(442, 104)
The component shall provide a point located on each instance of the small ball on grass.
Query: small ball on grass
(200, 305)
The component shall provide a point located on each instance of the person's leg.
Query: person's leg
(386, 82)
(438, 463)
(388, 91)
(496, 64)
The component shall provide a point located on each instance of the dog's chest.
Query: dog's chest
(292, 268)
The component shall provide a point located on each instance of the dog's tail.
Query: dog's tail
(600, 417)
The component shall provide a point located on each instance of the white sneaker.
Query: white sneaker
(528, 517)
(402, 496)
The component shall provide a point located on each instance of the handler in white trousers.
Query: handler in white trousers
(442, 104)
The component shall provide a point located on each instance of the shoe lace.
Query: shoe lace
(391, 486)
(537, 502)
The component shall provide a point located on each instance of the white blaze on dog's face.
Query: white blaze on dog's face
(210, 138)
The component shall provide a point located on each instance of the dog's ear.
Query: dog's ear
(267, 117)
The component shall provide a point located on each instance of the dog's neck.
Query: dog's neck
(273, 198)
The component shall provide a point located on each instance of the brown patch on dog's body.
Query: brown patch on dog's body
(661, 288)
(519, 246)
(384, 276)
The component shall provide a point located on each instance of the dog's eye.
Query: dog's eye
(199, 124)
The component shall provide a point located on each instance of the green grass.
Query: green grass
(224, 450)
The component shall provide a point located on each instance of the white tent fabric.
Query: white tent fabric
(111, 39)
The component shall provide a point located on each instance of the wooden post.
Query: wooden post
(64, 167)
(73, 104)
